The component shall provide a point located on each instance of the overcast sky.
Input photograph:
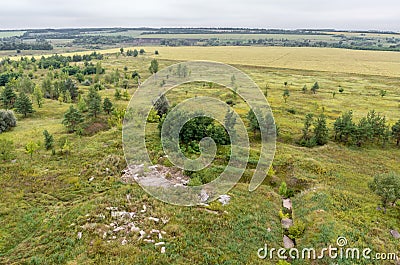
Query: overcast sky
(291, 14)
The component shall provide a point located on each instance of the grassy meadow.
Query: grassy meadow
(47, 200)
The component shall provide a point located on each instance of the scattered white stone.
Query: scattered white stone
(107, 169)
(162, 250)
(224, 199)
(164, 220)
(116, 230)
(395, 234)
(204, 196)
(14, 161)
(91, 179)
(269, 229)
(124, 242)
(154, 219)
(159, 244)
(154, 231)
(79, 235)
(148, 240)
(112, 208)
(287, 203)
(144, 209)
(112, 224)
(128, 197)
(114, 237)
(142, 234)
(122, 214)
(163, 232)
(153, 167)
(135, 229)
(287, 223)
(287, 242)
(104, 235)
(160, 236)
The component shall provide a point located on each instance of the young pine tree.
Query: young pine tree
(8, 97)
(254, 125)
(72, 118)
(125, 95)
(23, 104)
(321, 132)
(315, 87)
(396, 132)
(117, 94)
(286, 94)
(107, 106)
(38, 95)
(93, 101)
(48, 140)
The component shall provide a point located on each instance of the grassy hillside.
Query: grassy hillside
(47, 201)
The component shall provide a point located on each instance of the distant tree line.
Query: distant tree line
(9, 44)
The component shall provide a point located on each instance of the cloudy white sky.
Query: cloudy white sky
(291, 14)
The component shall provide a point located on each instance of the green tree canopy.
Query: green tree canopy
(23, 104)
(93, 102)
(72, 119)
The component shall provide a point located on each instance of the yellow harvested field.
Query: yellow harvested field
(315, 59)
(319, 59)
(381, 63)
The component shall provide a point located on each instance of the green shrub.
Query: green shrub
(292, 111)
(196, 181)
(7, 120)
(297, 230)
(283, 189)
(283, 215)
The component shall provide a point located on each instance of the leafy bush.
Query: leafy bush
(283, 189)
(153, 116)
(283, 215)
(292, 111)
(387, 186)
(196, 181)
(7, 120)
(297, 230)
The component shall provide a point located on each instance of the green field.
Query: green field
(7, 34)
(48, 199)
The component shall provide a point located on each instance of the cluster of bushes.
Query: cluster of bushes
(59, 61)
(10, 100)
(92, 105)
(370, 129)
(6, 77)
(315, 132)
(63, 90)
(196, 129)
